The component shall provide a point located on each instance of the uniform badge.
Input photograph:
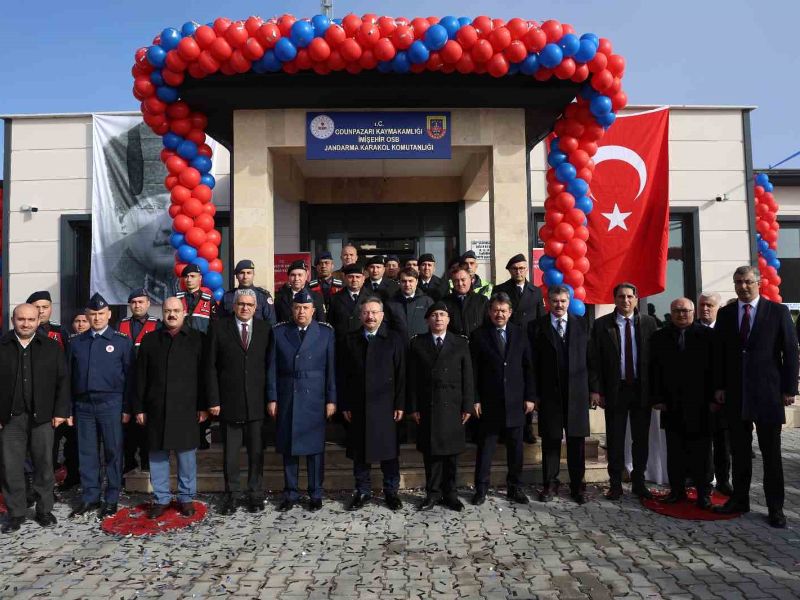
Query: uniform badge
(436, 126)
(270, 300)
(109, 348)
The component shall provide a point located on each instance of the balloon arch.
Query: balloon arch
(482, 45)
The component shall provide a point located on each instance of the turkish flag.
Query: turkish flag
(629, 224)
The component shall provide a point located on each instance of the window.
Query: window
(789, 255)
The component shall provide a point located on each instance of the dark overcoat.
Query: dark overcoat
(237, 379)
(525, 307)
(169, 389)
(550, 397)
(503, 378)
(344, 313)
(283, 304)
(372, 385)
(302, 382)
(756, 375)
(407, 316)
(683, 380)
(436, 288)
(466, 318)
(440, 388)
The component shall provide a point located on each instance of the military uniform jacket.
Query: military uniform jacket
(102, 365)
(265, 306)
(464, 320)
(553, 402)
(503, 377)
(56, 333)
(407, 316)
(440, 388)
(343, 313)
(372, 385)
(326, 288)
(169, 387)
(283, 305)
(386, 289)
(436, 288)
(302, 381)
(149, 326)
(204, 311)
(237, 379)
(683, 380)
(526, 307)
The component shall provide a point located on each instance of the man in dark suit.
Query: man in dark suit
(682, 388)
(344, 313)
(236, 386)
(504, 389)
(430, 284)
(526, 305)
(378, 283)
(34, 399)
(467, 309)
(372, 397)
(756, 377)
(440, 399)
(560, 350)
(408, 307)
(298, 281)
(619, 383)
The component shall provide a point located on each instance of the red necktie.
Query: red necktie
(629, 376)
(244, 336)
(744, 328)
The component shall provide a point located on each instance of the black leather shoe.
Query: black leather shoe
(725, 489)
(428, 503)
(478, 498)
(286, 505)
(13, 524)
(777, 519)
(46, 519)
(358, 501)
(703, 502)
(641, 490)
(546, 495)
(518, 496)
(315, 504)
(453, 503)
(83, 508)
(68, 484)
(255, 505)
(156, 510)
(528, 436)
(228, 506)
(673, 498)
(393, 502)
(107, 510)
(187, 509)
(614, 493)
(578, 497)
(731, 507)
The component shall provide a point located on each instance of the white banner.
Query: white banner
(130, 219)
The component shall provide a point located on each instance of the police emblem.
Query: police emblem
(436, 126)
(109, 348)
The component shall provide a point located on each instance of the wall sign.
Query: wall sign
(378, 135)
(482, 249)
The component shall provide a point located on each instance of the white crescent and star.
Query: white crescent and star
(616, 218)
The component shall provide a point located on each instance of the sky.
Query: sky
(58, 57)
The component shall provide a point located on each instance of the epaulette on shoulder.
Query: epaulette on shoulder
(151, 318)
(120, 334)
(126, 319)
(463, 336)
(281, 324)
(328, 325)
(416, 335)
(262, 290)
(180, 294)
(54, 325)
(205, 295)
(313, 282)
(338, 282)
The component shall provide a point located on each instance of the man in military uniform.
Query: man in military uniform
(407, 308)
(79, 324)
(101, 362)
(344, 313)
(409, 262)
(349, 256)
(298, 281)
(139, 324)
(245, 272)
(378, 282)
(301, 396)
(440, 399)
(198, 303)
(44, 304)
(325, 283)
(471, 262)
(430, 284)
(392, 264)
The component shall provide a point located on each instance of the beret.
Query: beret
(40, 295)
(138, 293)
(190, 268)
(515, 259)
(297, 264)
(426, 258)
(244, 264)
(436, 306)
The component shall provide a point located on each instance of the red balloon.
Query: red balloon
(221, 25)
(180, 194)
(498, 65)
(605, 46)
(564, 232)
(236, 34)
(175, 164)
(554, 188)
(575, 248)
(545, 232)
(208, 251)
(515, 52)
(368, 34)
(209, 64)
(215, 265)
(269, 34)
(434, 63)
(619, 101)
(566, 69)
(253, 50)
(500, 39)
(213, 236)
(194, 235)
(467, 36)
(482, 51)
(319, 50)
(452, 52)
(419, 26)
(603, 80)
(252, 24)
(204, 35)
(154, 105)
(543, 74)
(581, 74)
(144, 86)
(518, 28)
(210, 209)
(203, 193)
(465, 65)
(285, 23)
(182, 223)
(582, 232)
(574, 217)
(303, 60)
(179, 267)
(553, 30)
(189, 177)
(170, 181)
(196, 71)
(172, 78)
(574, 278)
(403, 37)
(564, 263)
(241, 65)
(351, 23)
(178, 110)
(579, 293)
(368, 60)
(370, 18)
(204, 221)
(535, 40)
(192, 207)
(220, 49)
(384, 50)
(579, 158)
(174, 210)
(336, 61)
(553, 247)
(483, 25)
(598, 63)
(553, 218)
(387, 25)
(564, 201)
(174, 62)
(582, 264)
(349, 50)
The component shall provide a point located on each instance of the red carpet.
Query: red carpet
(134, 521)
(687, 508)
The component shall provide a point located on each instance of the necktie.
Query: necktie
(244, 336)
(375, 285)
(502, 333)
(302, 335)
(439, 344)
(370, 337)
(629, 376)
(461, 299)
(682, 340)
(560, 328)
(354, 297)
(520, 291)
(744, 328)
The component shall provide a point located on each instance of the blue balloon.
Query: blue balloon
(530, 65)
(269, 63)
(586, 51)
(202, 163)
(769, 254)
(463, 21)
(337, 21)
(218, 294)
(451, 24)
(156, 56)
(591, 36)
(400, 62)
(187, 149)
(551, 56)
(578, 187)
(176, 240)
(208, 180)
(156, 78)
(584, 203)
(607, 120)
(436, 37)
(553, 277)
(555, 158)
(170, 38)
(212, 280)
(762, 179)
(513, 69)
(320, 24)
(570, 289)
(301, 34)
(167, 94)
(565, 172)
(588, 92)
(777, 264)
(187, 253)
(600, 105)
(171, 140)
(577, 307)
(285, 50)
(188, 28)
(546, 263)
(385, 66)
(570, 44)
(554, 144)
(763, 246)
(202, 263)
(768, 187)
(418, 53)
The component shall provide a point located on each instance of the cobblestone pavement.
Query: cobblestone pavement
(559, 550)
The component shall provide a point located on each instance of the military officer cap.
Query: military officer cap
(40, 295)
(375, 260)
(469, 254)
(350, 269)
(426, 258)
(515, 259)
(392, 257)
(436, 306)
(97, 302)
(244, 264)
(303, 297)
(138, 293)
(190, 268)
(323, 256)
(297, 264)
